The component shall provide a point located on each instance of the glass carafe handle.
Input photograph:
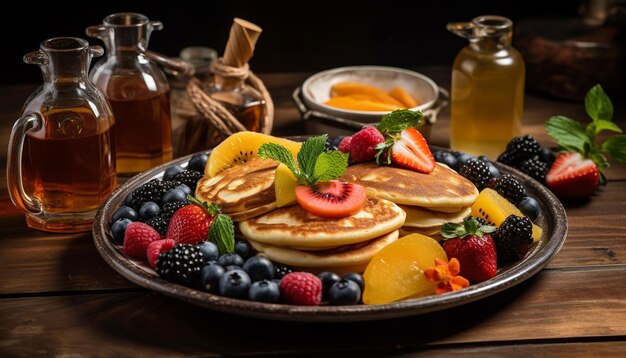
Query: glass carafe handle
(178, 67)
(463, 29)
(28, 122)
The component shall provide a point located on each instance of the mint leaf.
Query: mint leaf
(222, 233)
(307, 156)
(280, 154)
(615, 147)
(330, 165)
(601, 125)
(399, 120)
(598, 105)
(383, 154)
(568, 133)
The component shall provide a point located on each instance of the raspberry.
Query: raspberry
(513, 238)
(363, 143)
(301, 288)
(156, 247)
(345, 144)
(137, 238)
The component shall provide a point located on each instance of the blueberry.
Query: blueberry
(124, 212)
(232, 267)
(210, 276)
(483, 158)
(328, 279)
(546, 156)
(174, 195)
(198, 162)
(448, 159)
(259, 268)
(118, 229)
(209, 251)
(344, 292)
(244, 249)
(235, 284)
(185, 188)
(230, 259)
(148, 211)
(264, 291)
(493, 170)
(356, 277)
(529, 207)
(171, 172)
(464, 158)
(128, 200)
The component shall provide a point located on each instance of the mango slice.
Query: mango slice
(403, 97)
(350, 88)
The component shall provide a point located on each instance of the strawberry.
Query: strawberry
(411, 151)
(472, 245)
(157, 247)
(190, 224)
(137, 238)
(573, 177)
(363, 144)
(301, 288)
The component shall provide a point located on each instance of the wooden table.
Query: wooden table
(58, 296)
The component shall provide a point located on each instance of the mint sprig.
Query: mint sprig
(313, 165)
(222, 229)
(572, 137)
(470, 226)
(391, 125)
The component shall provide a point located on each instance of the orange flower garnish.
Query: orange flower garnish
(446, 275)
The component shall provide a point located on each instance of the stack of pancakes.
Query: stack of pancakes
(429, 200)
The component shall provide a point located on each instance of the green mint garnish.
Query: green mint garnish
(399, 120)
(572, 137)
(222, 233)
(314, 164)
(470, 226)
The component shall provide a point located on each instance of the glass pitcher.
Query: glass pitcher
(487, 87)
(61, 156)
(137, 89)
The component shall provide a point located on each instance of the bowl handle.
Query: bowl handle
(443, 99)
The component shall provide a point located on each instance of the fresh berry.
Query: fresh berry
(198, 162)
(301, 288)
(477, 172)
(234, 284)
(210, 276)
(259, 268)
(152, 191)
(170, 208)
(189, 178)
(411, 151)
(118, 229)
(328, 279)
(230, 259)
(185, 189)
(513, 239)
(175, 195)
(159, 224)
(344, 292)
(363, 143)
(463, 158)
(483, 158)
(137, 238)
(333, 143)
(181, 264)
(356, 277)
(529, 207)
(481, 221)
(148, 211)
(156, 248)
(128, 200)
(209, 251)
(232, 267)
(572, 176)
(518, 150)
(545, 155)
(124, 212)
(190, 224)
(331, 199)
(472, 245)
(281, 270)
(493, 170)
(345, 144)
(534, 168)
(264, 291)
(244, 249)
(171, 172)
(509, 187)
(446, 158)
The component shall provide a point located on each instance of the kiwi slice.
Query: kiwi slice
(333, 199)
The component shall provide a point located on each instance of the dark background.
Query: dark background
(297, 35)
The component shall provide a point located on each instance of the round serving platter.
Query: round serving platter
(552, 220)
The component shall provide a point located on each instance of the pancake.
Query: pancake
(424, 218)
(294, 226)
(243, 188)
(249, 214)
(354, 256)
(429, 231)
(441, 188)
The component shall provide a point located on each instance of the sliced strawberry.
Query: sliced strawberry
(573, 177)
(411, 151)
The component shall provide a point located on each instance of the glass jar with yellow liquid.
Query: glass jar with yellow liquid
(487, 87)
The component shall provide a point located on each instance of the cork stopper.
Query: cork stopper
(241, 41)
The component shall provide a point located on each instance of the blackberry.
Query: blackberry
(513, 238)
(154, 190)
(481, 221)
(509, 187)
(477, 172)
(281, 270)
(518, 150)
(181, 264)
(535, 168)
(159, 224)
(170, 208)
(189, 178)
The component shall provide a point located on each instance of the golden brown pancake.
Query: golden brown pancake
(429, 231)
(294, 226)
(242, 189)
(441, 188)
(424, 218)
